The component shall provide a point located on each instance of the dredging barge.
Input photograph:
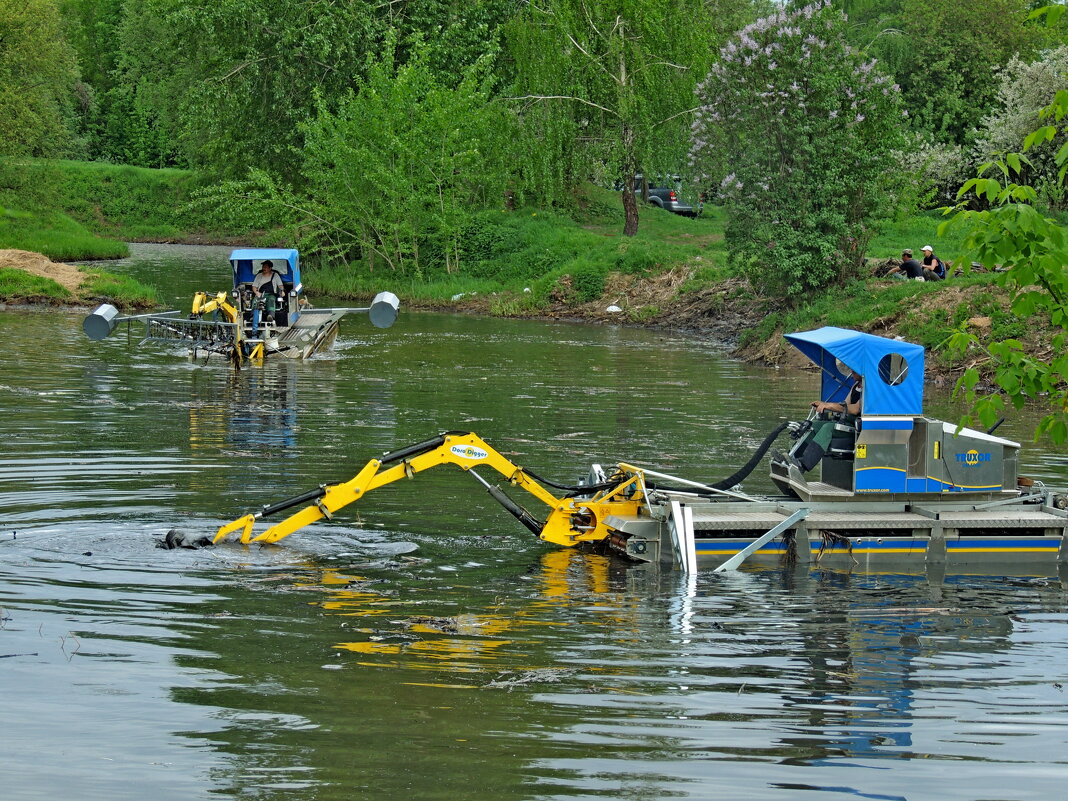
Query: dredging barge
(886, 488)
(265, 314)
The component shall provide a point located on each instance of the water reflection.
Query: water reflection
(255, 416)
(605, 682)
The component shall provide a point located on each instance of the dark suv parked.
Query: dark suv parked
(667, 197)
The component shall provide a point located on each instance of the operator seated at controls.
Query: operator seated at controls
(835, 428)
(266, 287)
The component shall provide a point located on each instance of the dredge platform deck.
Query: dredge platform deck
(1025, 530)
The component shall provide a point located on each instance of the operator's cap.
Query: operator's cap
(927, 247)
(906, 252)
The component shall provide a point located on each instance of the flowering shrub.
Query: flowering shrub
(1024, 89)
(797, 129)
(930, 173)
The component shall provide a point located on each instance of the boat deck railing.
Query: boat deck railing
(206, 334)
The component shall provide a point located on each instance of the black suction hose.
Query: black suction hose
(749, 466)
(726, 483)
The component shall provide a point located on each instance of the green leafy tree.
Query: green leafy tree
(118, 122)
(798, 128)
(450, 35)
(396, 172)
(606, 88)
(950, 80)
(227, 85)
(38, 80)
(1031, 251)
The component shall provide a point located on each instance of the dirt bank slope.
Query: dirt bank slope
(65, 275)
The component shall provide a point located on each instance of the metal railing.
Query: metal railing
(202, 334)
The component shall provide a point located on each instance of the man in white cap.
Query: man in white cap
(933, 268)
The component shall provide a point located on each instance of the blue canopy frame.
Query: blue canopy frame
(284, 261)
(892, 369)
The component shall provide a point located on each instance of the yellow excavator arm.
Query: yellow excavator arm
(571, 520)
(202, 305)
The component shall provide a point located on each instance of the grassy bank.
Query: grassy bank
(71, 210)
(522, 262)
(32, 278)
(675, 273)
(56, 235)
(17, 286)
(528, 261)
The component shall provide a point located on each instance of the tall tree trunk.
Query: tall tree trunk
(630, 203)
(630, 210)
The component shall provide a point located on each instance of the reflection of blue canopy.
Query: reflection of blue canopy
(892, 369)
(246, 263)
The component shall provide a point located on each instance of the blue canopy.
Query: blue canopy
(892, 369)
(284, 261)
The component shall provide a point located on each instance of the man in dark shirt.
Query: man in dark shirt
(934, 269)
(910, 268)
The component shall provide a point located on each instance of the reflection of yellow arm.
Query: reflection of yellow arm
(202, 306)
(570, 521)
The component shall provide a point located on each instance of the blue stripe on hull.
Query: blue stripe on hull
(915, 547)
(731, 547)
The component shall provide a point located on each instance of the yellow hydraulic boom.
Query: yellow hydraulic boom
(571, 520)
(205, 304)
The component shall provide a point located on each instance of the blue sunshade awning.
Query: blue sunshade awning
(892, 369)
(246, 263)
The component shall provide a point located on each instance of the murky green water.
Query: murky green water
(322, 669)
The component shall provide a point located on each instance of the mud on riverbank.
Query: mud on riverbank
(726, 312)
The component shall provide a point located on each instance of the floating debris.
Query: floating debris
(510, 681)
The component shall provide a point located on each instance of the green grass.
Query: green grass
(914, 232)
(913, 306)
(60, 208)
(119, 290)
(18, 286)
(55, 235)
(530, 258)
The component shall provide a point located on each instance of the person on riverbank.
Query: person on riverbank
(910, 268)
(934, 269)
(266, 287)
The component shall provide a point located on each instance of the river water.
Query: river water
(423, 645)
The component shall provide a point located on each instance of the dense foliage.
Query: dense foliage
(39, 86)
(798, 130)
(1024, 90)
(1031, 251)
(945, 55)
(399, 188)
(957, 47)
(614, 81)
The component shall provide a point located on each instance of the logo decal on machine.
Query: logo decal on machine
(973, 458)
(468, 452)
